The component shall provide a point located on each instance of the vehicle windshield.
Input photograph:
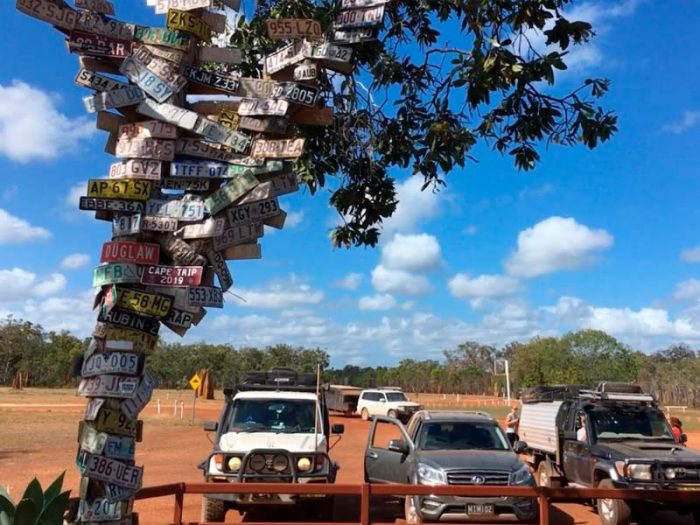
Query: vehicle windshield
(395, 396)
(273, 415)
(462, 435)
(629, 422)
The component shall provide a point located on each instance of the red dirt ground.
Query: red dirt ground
(41, 440)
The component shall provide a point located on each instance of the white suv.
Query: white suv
(386, 402)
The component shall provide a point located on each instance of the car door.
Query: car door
(383, 465)
(577, 454)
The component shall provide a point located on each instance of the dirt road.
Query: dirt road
(41, 441)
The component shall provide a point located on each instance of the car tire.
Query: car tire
(411, 513)
(213, 510)
(364, 414)
(543, 477)
(392, 413)
(612, 511)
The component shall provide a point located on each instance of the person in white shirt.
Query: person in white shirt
(581, 432)
(512, 422)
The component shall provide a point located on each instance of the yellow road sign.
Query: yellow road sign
(195, 381)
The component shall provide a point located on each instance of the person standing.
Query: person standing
(512, 422)
(677, 429)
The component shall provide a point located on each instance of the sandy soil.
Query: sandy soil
(38, 438)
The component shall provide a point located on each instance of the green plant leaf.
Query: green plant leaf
(26, 513)
(7, 506)
(54, 489)
(54, 510)
(35, 493)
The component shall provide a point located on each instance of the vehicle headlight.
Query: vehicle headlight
(257, 462)
(218, 461)
(304, 464)
(280, 463)
(670, 473)
(522, 476)
(428, 475)
(234, 464)
(638, 471)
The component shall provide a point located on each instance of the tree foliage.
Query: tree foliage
(443, 76)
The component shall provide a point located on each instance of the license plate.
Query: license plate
(97, 6)
(160, 67)
(297, 93)
(111, 363)
(129, 189)
(201, 149)
(255, 211)
(155, 149)
(113, 471)
(179, 318)
(284, 28)
(101, 509)
(91, 204)
(221, 269)
(233, 190)
(363, 17)
(132, 407)
(162, 37)
(126, 225)
(184, 21)
(287, 56)
(172, 275)
(94, 45)
(180, 117)
(255, 87)
(94, 23)
(153, 129)
(199, 169)
(136, 169)
(92, 80)
(120, 447)
(224, 83)
(117, 273)
(274, 187)
(206, 296)
(479, 508)
(108, 386)
(117, 98)
(278, 149)
(115, 422)
(209, 228)
(133, 321)
(91, 440)
(183, 184)
(144, 303)
(92, 408)
(262, 107)
(48, 11)
(276, 125)
(130, 252)
(145, 79)
(158, 224)
(238, 235)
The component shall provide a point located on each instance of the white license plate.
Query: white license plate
(479, 508)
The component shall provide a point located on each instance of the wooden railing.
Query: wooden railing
(366, 490)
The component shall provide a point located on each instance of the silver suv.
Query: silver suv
(449, 448)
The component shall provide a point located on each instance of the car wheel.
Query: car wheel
(411, 512)
(612, 511)
(392, 413)
(213, 510)
(543, 477)
(364, 414)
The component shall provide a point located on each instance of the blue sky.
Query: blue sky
(604, 239)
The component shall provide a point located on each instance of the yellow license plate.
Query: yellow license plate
(130, 189)
(145, 303)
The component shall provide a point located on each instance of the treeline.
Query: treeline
(583, 357)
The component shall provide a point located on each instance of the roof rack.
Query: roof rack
(615, 396)
(430, 412)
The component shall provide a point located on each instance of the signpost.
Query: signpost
(194, 383)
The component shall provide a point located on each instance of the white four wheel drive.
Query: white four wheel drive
(273, 429)
(390, 402)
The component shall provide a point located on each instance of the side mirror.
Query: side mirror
(338, 428)
(382, 400)
(211, 426)
(684, 438)
(570, 435)
(398, 445)
(519, 447)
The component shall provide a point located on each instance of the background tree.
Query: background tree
(443, 76)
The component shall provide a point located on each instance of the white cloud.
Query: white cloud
(75, 261)
(72, 313)
(280, 295)
(294, 219)
(377, 302)
(31, 127)
(399, 282)
(482, 287)
(411, 253)
(687, 290)
(691, 254)
(554, 244)
(414, 207)
(690, 119)
(19, 285)
(350, 282)
(14, 230)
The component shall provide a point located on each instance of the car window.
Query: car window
(385, 432)
(369, 396)
(272, 415)
(395, 396)
(617, 421)
(461, 435)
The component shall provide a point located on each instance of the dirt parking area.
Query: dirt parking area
(38, 437)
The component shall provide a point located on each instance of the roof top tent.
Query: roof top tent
(343, 398)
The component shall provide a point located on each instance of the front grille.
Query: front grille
(682, 473)
(264, 464)
(477, 477)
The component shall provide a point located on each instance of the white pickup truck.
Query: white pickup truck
(274, 429)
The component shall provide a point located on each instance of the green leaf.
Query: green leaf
(7, 506)
(35, 493)
(26, 513)
(55, 509)
(54, 489)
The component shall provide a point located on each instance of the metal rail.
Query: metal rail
(366, 490)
